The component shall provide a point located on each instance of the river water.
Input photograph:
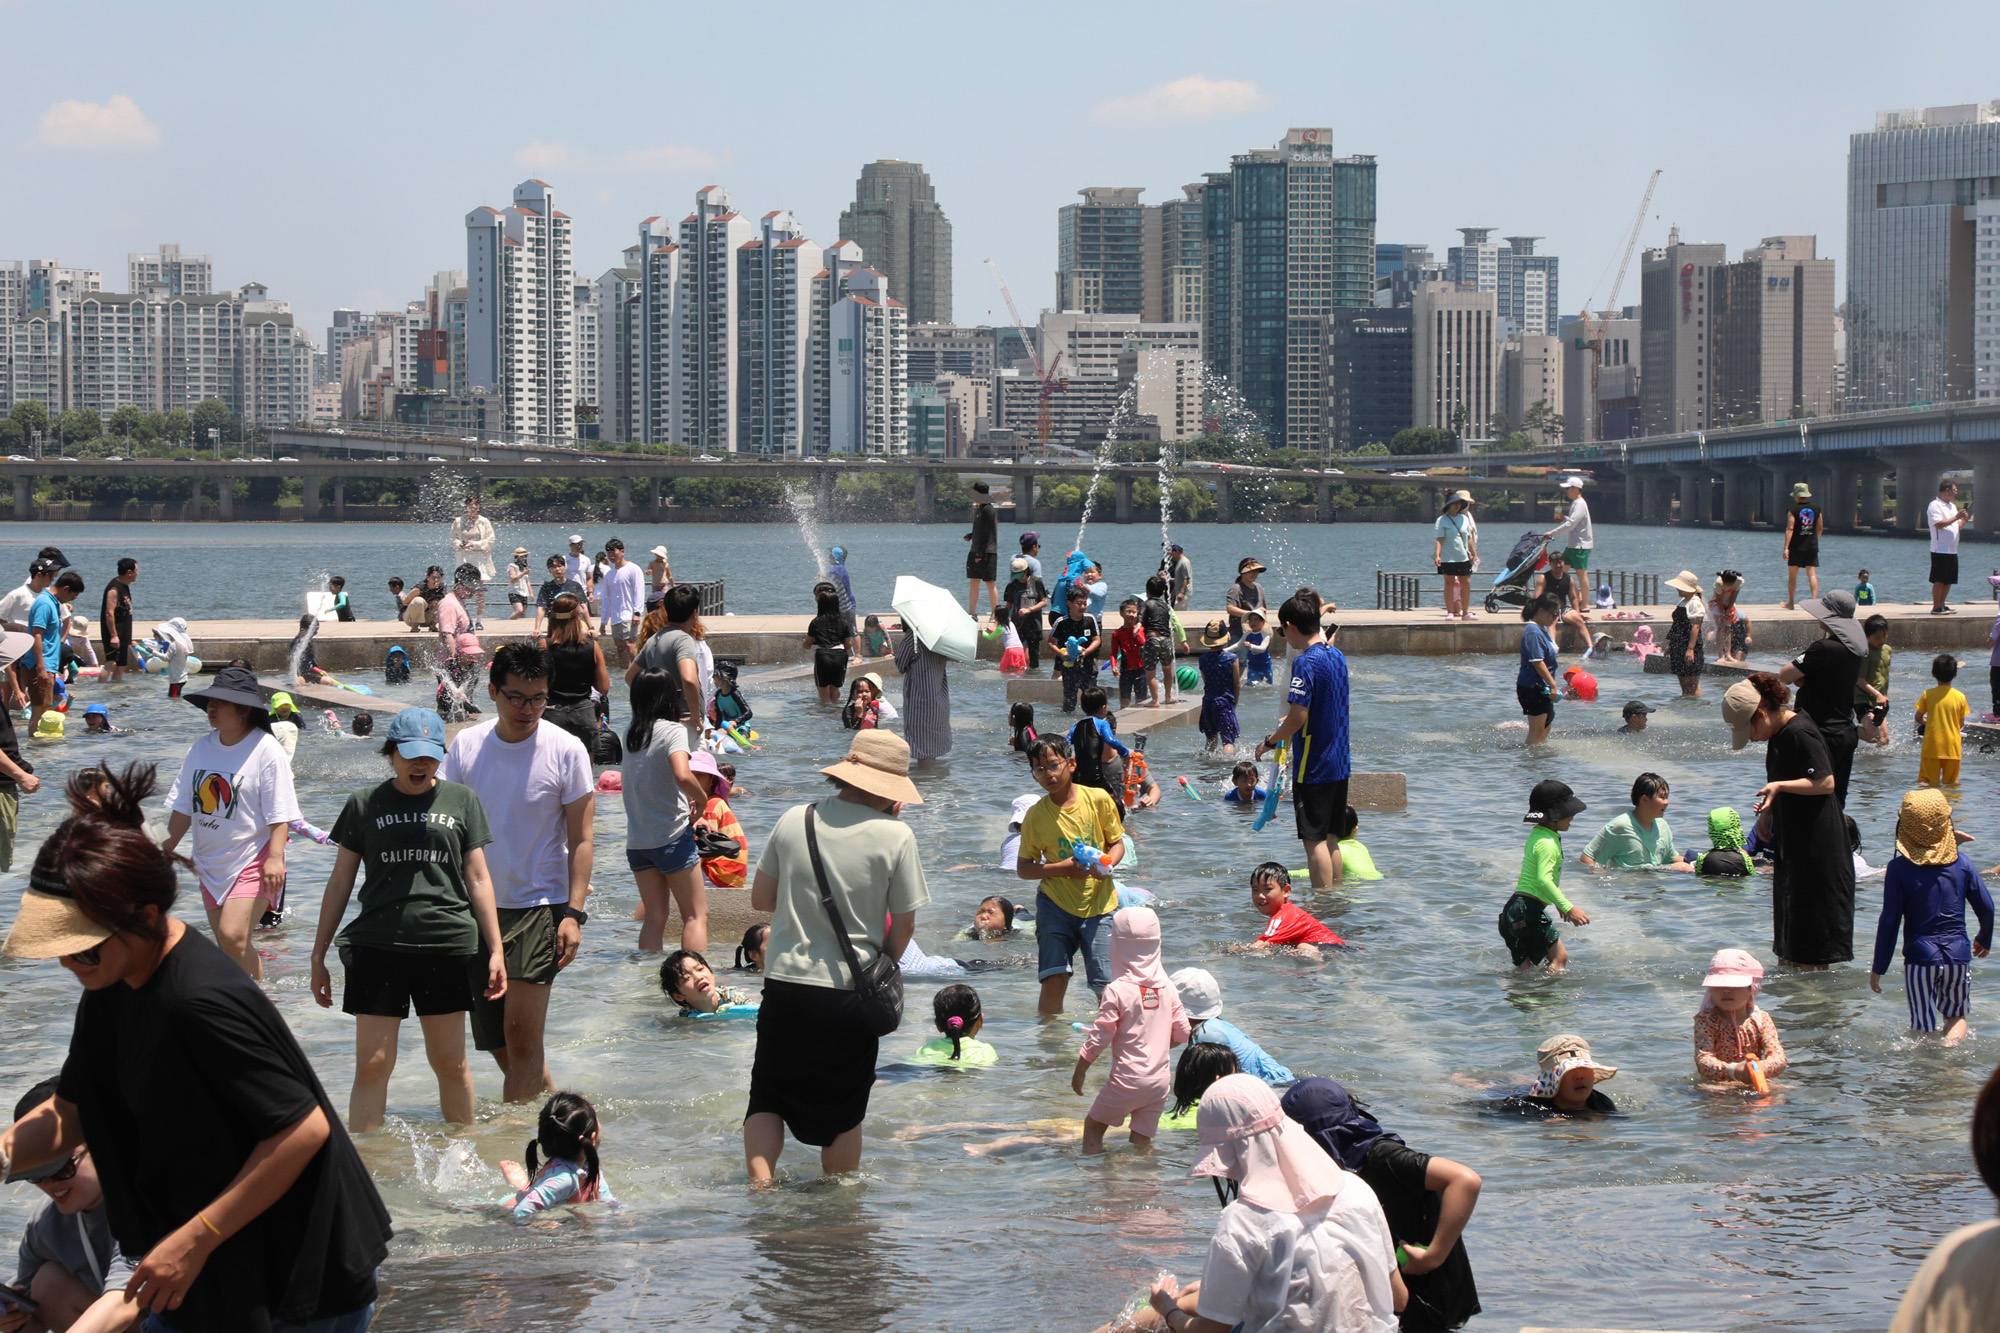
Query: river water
(1692, 1210)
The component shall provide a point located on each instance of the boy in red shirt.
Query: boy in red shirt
(1128, 649)
(1289, 926)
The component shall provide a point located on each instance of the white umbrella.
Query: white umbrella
(936, 618)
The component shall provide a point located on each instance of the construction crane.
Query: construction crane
(1593, 329)
(1045, 376)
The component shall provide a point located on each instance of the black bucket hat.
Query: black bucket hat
(233, 685)
(1550, 801)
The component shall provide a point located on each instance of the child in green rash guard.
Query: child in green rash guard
(1354, 860)
(1201, 1063)
(1725, 855)
(957, 1013)
(1531, 937)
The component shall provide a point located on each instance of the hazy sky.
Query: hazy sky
(331, 150)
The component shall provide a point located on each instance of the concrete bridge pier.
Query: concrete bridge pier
(1916, 486)
(624, 499)
(1024, 497)
(653, 503)
(24, 498)
(1121, 489)
(1985, 501)
(926, 497)
(1739, 496)
(225, 498)
(1838, 501)
(340, 499)
(1873, 477)
(1225, 500)
(1323, 497)
(823, 483)
(1697, 506)
(1635, 495)
(310, 491)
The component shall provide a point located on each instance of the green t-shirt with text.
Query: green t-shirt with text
(413, 848)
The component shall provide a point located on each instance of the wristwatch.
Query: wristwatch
(565, 912)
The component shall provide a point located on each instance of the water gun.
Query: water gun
(1090, 858)
(1188, 787)
(1270, 809)
(1135, 772)
(741, 737)
(1072, 649)
(1755, 1068)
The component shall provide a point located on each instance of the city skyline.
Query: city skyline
(129, 152)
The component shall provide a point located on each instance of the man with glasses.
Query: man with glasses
(69, 1260)
(534, 781)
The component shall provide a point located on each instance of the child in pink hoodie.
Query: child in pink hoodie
(1140, 1020)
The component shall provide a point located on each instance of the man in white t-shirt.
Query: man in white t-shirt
(534, 780)
(1945, 519)
(624, 595)
(16, 605)
(579, 568)
(1578, 537)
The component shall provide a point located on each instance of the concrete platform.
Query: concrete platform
(1657, 665)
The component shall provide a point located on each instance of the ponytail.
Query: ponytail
(956, 1010)
(567, 1127)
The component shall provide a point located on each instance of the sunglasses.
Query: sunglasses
(67, 1171)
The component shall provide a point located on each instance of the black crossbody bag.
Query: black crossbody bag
(879, 986)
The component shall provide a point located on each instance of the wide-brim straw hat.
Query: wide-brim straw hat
(1685, 582)
(50, 924)
(879, 764)
(1249, 564)
(1459, 498)
(1216, 634)
(1923, 829)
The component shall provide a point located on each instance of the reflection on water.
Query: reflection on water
(1694, 1209)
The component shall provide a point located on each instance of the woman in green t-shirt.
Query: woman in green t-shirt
(427, 932)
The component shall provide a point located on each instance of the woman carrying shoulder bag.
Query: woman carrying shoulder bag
(817, 1034)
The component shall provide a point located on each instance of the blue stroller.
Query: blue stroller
(1512, 585)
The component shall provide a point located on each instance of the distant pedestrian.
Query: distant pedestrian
(1685, 657)
(1180, 576)
(836, 574)
(45, 619)
(1317, 713)
(1579, 538)
(1455, 552)
(1804, 522)
(659, 577)
(472, 544)
(982, 559)
(926, 699)
(1946, 521)
(624, 600)
(520, 583)
(114, 620)
(579, 568)
(1244, 595)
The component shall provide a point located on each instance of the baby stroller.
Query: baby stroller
(1512, 585)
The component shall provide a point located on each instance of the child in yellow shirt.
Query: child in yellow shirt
(1941, 713)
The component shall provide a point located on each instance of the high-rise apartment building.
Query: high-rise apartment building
(589, 351)
(520, 335)
(1601, 375)
(347, 325)
(868, 408)
(774, 283)
(1676, 354)
(1182, 246)
(181, 275)
(708, 308)
(1772, 315)
(1911, 187)
(896, 220)
(842, 260)
(277, 366)
(159, 352)
(1090, 346)
(1290, 237)
(1475, 261)
(1369, 354)
(1167, 385)
(1982, 223)
(937, 350)
(1531, 373)
(1454, 354)
(1523, 283)
(1108, 254)
(616, 292)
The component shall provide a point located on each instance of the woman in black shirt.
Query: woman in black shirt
(1826, 674)
(1426, 1199)
(576, 668)
(831, 637)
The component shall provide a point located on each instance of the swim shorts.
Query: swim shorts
(528, 940)
(1531, 937)
(1577, 557)
(1804, 553)
(384, 983)
(1535, 701)
(1317, 808)
(1938, 993)
(829, 667)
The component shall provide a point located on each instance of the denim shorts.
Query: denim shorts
(671, 859)
(1058, 937)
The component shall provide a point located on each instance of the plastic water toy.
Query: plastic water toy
(1090, 857)
(1188, 677)
(325, 679)
(1188, 787)
(611, 781)
(741, 737)
(1072, 649)
(1757, 1079)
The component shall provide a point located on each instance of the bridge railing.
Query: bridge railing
(1405, 589)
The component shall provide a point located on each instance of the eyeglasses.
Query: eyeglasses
(530, 701)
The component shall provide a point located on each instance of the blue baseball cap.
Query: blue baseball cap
(417, 733)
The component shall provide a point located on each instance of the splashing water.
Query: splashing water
(1121, 413)
(1166, 506)
(805, 512)
(450, 1166)
(295, 656)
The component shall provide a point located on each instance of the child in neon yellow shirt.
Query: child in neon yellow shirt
(1941, 714)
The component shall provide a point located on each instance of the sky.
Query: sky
(331, 151)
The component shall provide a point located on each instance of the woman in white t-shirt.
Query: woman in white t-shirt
(520, 583)
(234, 791)
(1301, 1247)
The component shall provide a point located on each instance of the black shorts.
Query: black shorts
(519, 599)
(1535, 701)
(1317, 808)
(1456, 568)
(982, 565)
(528, 939)
(1524, 924)
(119, 656)
(1803, 555)
(829, 667)
(1739, 635)
(815, 1061)
(1944, 568)
(384, 983)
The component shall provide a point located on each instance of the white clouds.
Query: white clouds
(553, 157)
(117, 126)
(1196, 97)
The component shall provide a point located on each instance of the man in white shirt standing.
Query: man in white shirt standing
(1578, 537)
(579, 568)
(472, 543)
(1945, 519)
(533, 778)
(624, 600)
(16, 605)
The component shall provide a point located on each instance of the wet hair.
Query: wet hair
(1349, 821)
(1244, 769)
(656, 697)
(567, 1125)
(1093, 698)
(364, 724)
(956, 1009)
(1271, 870)
(1156, 586)
(101, 858)
(1201, 1064)
(523, 661)
(828, 598)
(1301, 612)
(1853, 833)
(1021, 715)
(1771, 692)
(753, 942)
(1648, 784)
(565, 625)
(1006, 906)
(1055, 745)
(335, 582)
(1076, 594)
(673, 970)
(1875, 624)
(729, 776)
(466, 576)
(395, 583)
(1943, 668)
(308, 620)
(1986, 1132)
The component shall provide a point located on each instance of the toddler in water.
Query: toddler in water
(689, 982)
(569, 1133)
(750, 953)
(1201, 1063)
(1221, 680)
(1924, 895)
(1128, 651)
(1290, 926)
(1941, 714)
(1569, 1078)
(1726, 854)
(1354, 861)
(1243, 788)
(726, 705)
(1255, 647)
(1871, 690)
(997, 918)
(1140, 1021)
(1531, 937)
(958, 1016)
(1734, 1040)
(863, 710)
(729, 776)
(1021, 722)
(1202, 998)
(874, 639)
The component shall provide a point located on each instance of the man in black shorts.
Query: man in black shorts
(114, 619)
(982, 562)
(1316, 716)
(1946, 521)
